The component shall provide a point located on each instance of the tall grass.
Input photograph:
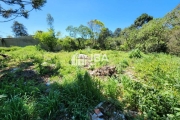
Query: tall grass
(72, 93)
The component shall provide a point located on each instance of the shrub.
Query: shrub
(136, 53)
(47, 39)
(112, 43)
(174, 41)
(121, 66)
(124, 47)
(161, 47)
(68, 44)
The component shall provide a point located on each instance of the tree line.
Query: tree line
(146, 34)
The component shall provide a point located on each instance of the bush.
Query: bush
(174, 41)
(47, 39)
(124, 47)
(136, 53)
(68, 44)
(112, 43)
(161, 47)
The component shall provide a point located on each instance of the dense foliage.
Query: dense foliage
(146, 34)
(47, 38)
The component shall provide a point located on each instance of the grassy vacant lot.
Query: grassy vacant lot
(39, 85)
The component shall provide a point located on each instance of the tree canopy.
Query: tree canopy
(19, 29)
(173, 18)
(96, 26)
(84, 32)
(117, 32)
(72, 31)
(11, 9)
(141, 20)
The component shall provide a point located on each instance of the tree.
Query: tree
(117, 32)
(172, 19)
(84, 32)
(105, 32)
(174, 41)
(153, 37)
(19, 29)
(95, 26)
(50, 21)
(128, 38)
(141, 20)
(73, 31)
(11, 9)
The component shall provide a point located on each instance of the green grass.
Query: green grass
(149, 85)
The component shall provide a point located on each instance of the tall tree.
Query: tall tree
(172, 19)
(96, 26)
(19, 29)
(11, 9)
(105, 32)
(128, 37)
(50, 21)
(174, 41)
(117, 32)
(73, 31)
(141, 20)
(84, 32)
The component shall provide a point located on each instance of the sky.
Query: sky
(113, 13)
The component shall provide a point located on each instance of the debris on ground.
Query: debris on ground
(104, 71)
(98, 115)
(4, 56)
(86, 62)
(107, 111)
